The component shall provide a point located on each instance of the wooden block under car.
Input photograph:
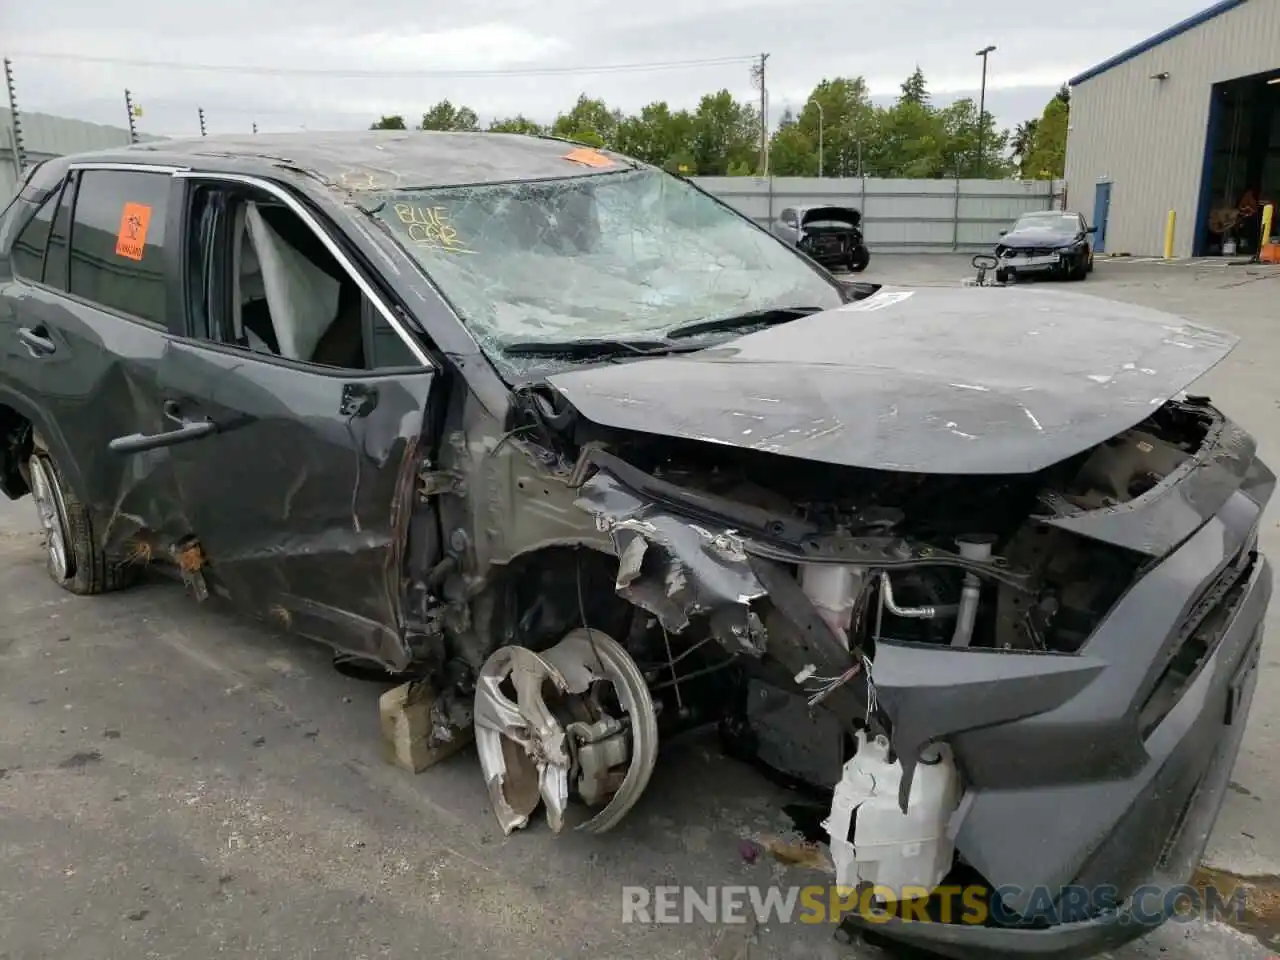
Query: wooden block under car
(406, 729)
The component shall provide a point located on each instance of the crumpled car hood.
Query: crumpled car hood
(982, 380)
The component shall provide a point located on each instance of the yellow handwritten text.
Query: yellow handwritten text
(430, 227)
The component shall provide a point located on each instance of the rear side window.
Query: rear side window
(117, 243)
(28, 247)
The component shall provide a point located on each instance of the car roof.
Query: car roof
(377, 160)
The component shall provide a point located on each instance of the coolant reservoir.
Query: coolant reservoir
(891, 849)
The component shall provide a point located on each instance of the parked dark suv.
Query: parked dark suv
(597, 459)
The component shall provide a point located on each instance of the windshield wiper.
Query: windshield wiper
(753, 318)
(593, 347)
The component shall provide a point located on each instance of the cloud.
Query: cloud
(807, 40)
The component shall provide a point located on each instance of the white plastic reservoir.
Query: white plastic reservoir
(891, 849)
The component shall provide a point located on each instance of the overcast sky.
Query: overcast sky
(1038, 47)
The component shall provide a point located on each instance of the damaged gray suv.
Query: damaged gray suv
(596, 459)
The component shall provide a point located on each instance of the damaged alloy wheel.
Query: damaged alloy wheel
(576, 718)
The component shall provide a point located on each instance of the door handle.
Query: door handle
(173, 413)
(37, 341)
(185, 430)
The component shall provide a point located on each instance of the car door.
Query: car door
(88, 322)
(298, 479)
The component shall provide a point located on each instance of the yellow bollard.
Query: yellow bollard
(1268, 212)
(1168, 235)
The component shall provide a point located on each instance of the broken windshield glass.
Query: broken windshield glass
(605, 256)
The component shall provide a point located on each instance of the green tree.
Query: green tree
(1023, 142)
(589, 121)
(840, 109)
(1047, 158)
(960, 124)
(517, 124)
(445, 116)
(914, 89)
(725, 133)
(393, 122)
(791, 154)
(659, 136)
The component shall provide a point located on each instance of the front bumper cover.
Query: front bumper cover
(1146, 832)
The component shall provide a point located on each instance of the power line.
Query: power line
(344, 74)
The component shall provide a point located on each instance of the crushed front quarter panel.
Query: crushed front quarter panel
(673, 567)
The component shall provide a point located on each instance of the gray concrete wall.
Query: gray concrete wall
(46, 136)
(1147, 137)
(900, 216)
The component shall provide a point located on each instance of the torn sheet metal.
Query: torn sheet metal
(676, 568)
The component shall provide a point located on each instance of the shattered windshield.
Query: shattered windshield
(590, 257)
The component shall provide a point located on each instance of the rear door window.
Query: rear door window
(117, 242)
(28, 248)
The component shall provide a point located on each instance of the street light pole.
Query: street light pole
(982, 108)
(821, 122)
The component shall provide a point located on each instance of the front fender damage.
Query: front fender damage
(677, 569)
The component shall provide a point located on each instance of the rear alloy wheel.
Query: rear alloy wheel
(73, 558)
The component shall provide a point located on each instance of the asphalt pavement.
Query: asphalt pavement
(176, 782)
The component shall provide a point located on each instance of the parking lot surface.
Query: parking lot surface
(176, 782)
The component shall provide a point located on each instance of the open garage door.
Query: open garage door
(1242, 165)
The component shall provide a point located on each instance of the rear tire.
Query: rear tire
(859, 257)
(73, 557)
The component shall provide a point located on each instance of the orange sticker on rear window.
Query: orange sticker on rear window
(592, 158)
(132, 237)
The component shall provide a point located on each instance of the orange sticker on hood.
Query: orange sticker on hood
(132, 238)
(592, 158)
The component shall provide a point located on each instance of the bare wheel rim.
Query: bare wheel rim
(52, 514)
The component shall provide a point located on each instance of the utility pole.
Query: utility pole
(132, 112)
(822, 120)
(15, 119)
(758, 75)
(982, 109)
(200, 112)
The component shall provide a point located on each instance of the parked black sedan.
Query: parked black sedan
(1046, 243)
